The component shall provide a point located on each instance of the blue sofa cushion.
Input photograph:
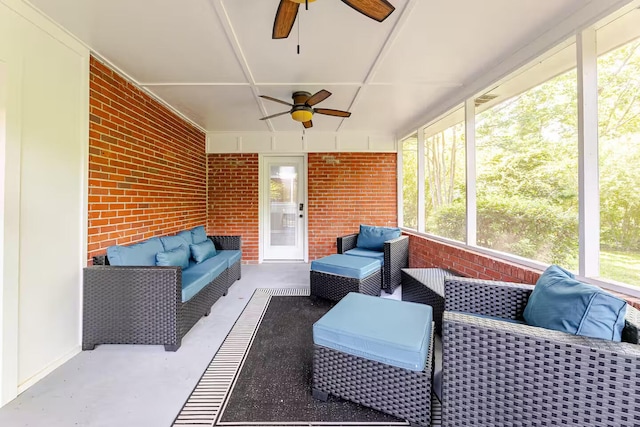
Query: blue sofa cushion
(366, 253)
(372, 237)
(232, 256)
(346, 265)
(172, 242)
(186, 235)
(177, 257)
(198, 235)
(200, 275)
(353, 326)
(561, 302)
(203, 250)
(140, 254)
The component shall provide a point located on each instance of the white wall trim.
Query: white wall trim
(470, 172)
(49, 368)
(294, 142)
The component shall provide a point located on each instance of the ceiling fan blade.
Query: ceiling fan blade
(285, 17)
(275, 115)
(318, 97)
(276, 100)
(308, 124)
(329, 112)
(374, 9)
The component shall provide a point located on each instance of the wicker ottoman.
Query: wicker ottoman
(334, 276)
(383, 365)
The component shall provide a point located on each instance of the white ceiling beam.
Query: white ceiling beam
(393, 35)
(225, 21)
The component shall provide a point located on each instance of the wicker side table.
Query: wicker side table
(426, 286)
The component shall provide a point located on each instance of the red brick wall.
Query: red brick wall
(233, 200)
(147, 171)
(426, 253)
(346, 190)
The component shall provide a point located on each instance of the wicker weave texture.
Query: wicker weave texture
(502, 374)
(400, 392)
(490, 298)
(396, 257)
(131, 305)
(426, 286)
(334, 287)
(227, 243)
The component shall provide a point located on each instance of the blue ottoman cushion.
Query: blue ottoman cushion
(346, 266)
(366, 253)
(353, 326)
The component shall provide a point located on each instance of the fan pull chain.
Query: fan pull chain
(299, 18)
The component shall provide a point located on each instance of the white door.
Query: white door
(284, 208)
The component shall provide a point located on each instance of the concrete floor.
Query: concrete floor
(139, 386)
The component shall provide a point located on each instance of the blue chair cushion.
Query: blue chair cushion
(561, 302)
(172, 242)
(186, 235)
(198, 234)
(196, 277)
(353, 326)
(366, 253)
(346, 265)
(232, 256)
(202, 251)
(372, 237)
(140, 254)
(177, 257)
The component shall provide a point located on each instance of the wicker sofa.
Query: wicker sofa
(394, 256)
(131, 304)
(509, 374)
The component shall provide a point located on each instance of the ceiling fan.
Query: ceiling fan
(288, 10)
(301, 109)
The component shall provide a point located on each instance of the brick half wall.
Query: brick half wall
(233, 186)
(346, 190)
(147, 171)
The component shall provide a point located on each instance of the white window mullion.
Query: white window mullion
(589, 191)
(470, 139)
(420, 219)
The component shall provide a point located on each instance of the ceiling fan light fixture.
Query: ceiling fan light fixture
(301, 113)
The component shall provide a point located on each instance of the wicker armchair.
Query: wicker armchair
(396, 257)
(143, 305)
(497, 373)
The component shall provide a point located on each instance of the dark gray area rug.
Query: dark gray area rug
(261, 374)
(274, 384)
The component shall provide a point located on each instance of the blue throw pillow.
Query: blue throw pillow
(139, 254)
(172, 242)
(373, 238)
(186, 235)
(198, 235)
(560, 302)
(176, 257)
(203, 250)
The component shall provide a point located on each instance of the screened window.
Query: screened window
(444, 177)
(527, 163)
(619, 148)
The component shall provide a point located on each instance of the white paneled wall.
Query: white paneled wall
(299, 142)
(44, 196)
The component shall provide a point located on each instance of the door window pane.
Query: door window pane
(283, 190)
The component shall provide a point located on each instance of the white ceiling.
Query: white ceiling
(210, 59)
